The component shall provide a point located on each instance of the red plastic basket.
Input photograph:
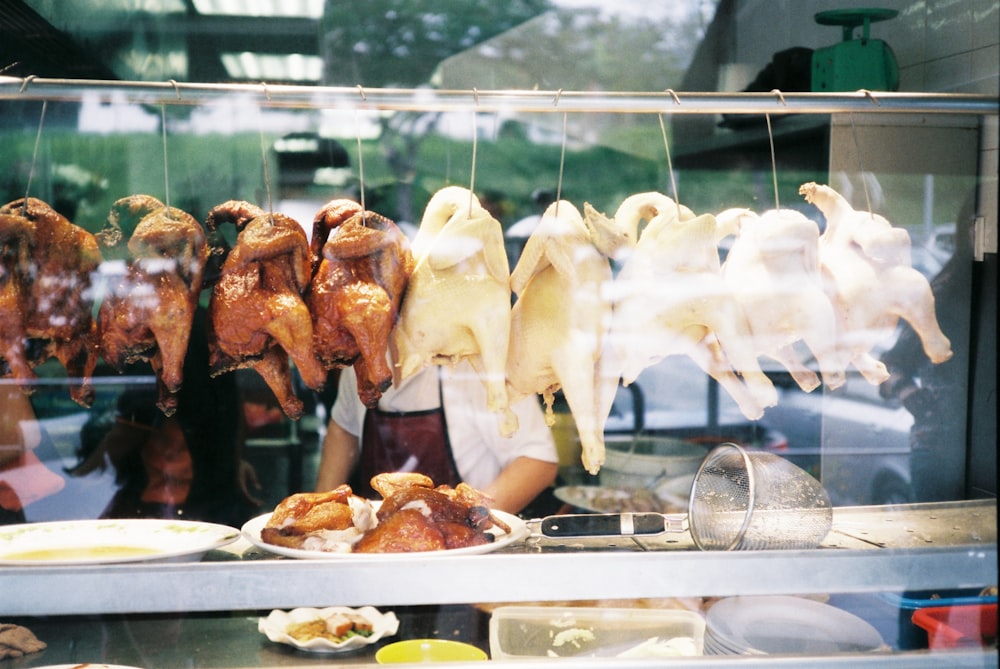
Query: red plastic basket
(958, 626)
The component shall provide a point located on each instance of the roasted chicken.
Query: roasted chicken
(306, 520)
(46, 298)
(257, 316)
(871, 282)
(149, 308)
(457, 303)
(362, 263)
(416, 516)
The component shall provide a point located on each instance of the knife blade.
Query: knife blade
(612, 524)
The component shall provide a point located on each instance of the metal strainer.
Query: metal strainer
(756, 500)
(740, 500)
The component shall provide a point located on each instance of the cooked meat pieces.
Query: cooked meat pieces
(257, 316)
(362, 269)
(148, 312)
(406, 531)
(46, 263)
(303, 513)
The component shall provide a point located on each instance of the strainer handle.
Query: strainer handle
(612, 524)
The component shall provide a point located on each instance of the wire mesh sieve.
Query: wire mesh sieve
(756, 500)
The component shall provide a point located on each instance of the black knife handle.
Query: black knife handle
(602, 524)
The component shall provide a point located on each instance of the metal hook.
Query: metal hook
(177, 88)
(475, 95)
(555, 102)
(24, 83)
(361, 92)
(871, 97)
(673, 96)
(780, 96)
(267, 93)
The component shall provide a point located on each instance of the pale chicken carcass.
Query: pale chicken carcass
(560, 322)
(871, 282)
(457, 302)
(772, 267)
(670, 299)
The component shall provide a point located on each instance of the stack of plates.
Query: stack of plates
(785, 625)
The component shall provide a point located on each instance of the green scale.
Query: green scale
(854, 64)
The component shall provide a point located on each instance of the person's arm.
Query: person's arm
(520, 482)
(339, 456)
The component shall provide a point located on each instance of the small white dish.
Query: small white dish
(275, 627)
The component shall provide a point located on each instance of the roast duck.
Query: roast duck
(149, 306)
(46, 297)
(357, 291)
(257, 317)
(413, 516)
(362, 263)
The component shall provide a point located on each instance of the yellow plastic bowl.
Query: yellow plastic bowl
(428, 650)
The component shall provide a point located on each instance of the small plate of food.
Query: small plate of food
(414, 517)
(334, 629)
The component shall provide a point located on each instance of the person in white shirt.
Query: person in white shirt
(436, 423)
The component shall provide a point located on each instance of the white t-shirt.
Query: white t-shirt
(480, 451)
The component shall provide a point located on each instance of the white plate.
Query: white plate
(605, 499)
(518, 531)
(275, 627)
(779, 624)
(76, 542)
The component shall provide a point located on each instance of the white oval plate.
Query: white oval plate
(518, 531)
(275, 627)
(76, 542)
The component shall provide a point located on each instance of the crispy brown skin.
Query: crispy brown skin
(45, 295)
(149, 312)
(257, 317)
(362, 263)
(298, 515)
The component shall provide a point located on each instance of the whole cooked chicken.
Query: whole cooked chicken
(772, 268)
(871, 282)
(148, 310)
(362, 265)
(46, 297)
(457, 303)
(257, 317)
(670, 299)
(560, 322)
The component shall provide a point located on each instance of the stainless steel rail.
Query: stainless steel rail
(425, 99)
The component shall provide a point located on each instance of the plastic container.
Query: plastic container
(525, 632)
(637, 462)
(970, 625)
(911, 635)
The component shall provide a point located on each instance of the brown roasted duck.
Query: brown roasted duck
(46, 298)
(148, 311)
(257, 317)
(416, 516)
(361, 263)
(308, 520)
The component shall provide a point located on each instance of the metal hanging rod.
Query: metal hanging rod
(426, 99)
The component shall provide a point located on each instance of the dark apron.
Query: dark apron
(405, 441)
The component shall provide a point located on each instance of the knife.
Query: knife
(612, 524)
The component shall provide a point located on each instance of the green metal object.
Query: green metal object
(855, 63)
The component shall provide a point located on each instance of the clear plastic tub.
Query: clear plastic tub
(520, 632)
